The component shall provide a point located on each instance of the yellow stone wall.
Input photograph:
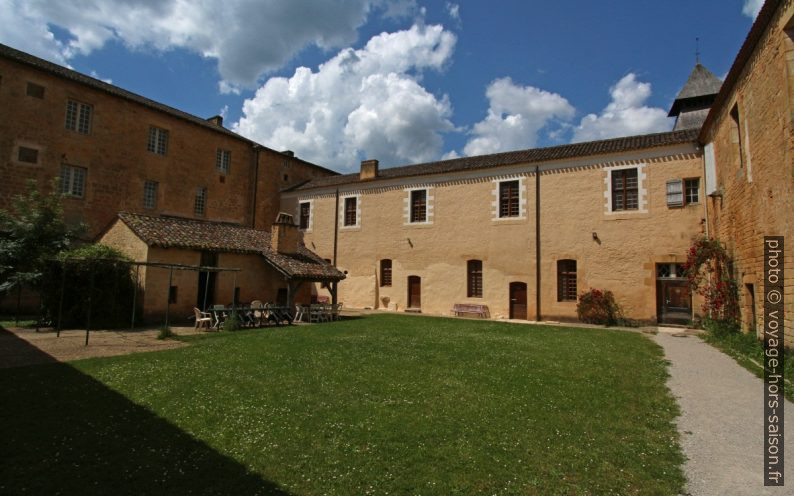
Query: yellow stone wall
(462, 227)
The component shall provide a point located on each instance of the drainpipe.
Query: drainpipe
(256, 184)
(537, 242)
(336, 224)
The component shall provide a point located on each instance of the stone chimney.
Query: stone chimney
(288, 153)
(217, 120)
(285, 237)
(369, 170)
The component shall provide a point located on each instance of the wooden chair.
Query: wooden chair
(202, 318)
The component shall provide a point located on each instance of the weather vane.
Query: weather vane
(697, 50)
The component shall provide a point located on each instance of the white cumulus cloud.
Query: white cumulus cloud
(516, 115)
(751, 8)
(247, 37)
(625, 115)
(365, 103)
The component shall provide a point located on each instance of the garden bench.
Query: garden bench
(471, 309)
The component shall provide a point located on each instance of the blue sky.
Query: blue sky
(403, 81)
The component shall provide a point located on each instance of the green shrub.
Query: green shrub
(165, 333)
(232, 322)
(113, 287)
(721, 328)
(598, 306)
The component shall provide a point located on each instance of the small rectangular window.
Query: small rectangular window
(474, 279)
(675, 193)
(29, 155)
(172, 292)
(692, 189)
(200, 204)
(78, 117)
(223, 160)
(158, 141)
(305, 212)
(625, 189)
(350, 211)
(385, 272)
(73, 181)
(566, 280)
(150, 194)
(419, 205)
(35, 90)
(508, 199)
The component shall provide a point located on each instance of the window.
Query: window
(385, 272)
(675, 193)
(223, 159)
(78, 117)
(150, 194)
(736, 135)
(172, 294)
(73, 181)
(692, 190)
(201, 201)
(35, 90)
(682, 192)
(566, 280)
(474, 279)
(508, 199)
(625, 190)
(305, 212)
(350, 211)
(29, 155)
(670, 270)
(158, 140)
(419, 205)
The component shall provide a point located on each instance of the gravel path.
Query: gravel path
(721, 423)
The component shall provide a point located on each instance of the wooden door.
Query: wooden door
(674, 302)
(414, 292)
(518, 300)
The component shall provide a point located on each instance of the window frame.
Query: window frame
(150, 194)
(418, 206)
(567, 280)
(386, 265)
(35, 90)
(79, 116)
(200, 202)
(223, 160)
(22, 154)
(157, 142)
(474, 279)
(689, 193)
(72, 176)
(687, 200)
(307, 216)
(350, 207)
(624, 173)
(509, 199)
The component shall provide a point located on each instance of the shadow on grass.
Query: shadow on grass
(64, 432)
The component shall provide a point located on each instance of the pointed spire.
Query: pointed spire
(693, 102)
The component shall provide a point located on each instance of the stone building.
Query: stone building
(274, 266)
(117, 151)
(749, 155)
(522, 232)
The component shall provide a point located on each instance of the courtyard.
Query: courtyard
(371, 405)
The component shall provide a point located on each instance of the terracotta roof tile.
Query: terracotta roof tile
(533, 155)
(172, 232)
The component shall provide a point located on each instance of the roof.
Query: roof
(760, 25)
(701, 83)
(173, 232)
(66, 73)
(533, 155)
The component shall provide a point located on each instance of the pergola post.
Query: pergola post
(135, 296)
(60, 304)
(332, 290)
(168, 294)
(292, 290)
(90, 297)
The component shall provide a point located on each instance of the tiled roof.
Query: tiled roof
(701, 83)
(533, 155)
(63, 72)
(172, 232)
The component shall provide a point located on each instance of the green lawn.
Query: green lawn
(385, 404)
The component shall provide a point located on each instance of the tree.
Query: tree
(30, 234)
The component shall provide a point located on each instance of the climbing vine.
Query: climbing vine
(709, 271)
